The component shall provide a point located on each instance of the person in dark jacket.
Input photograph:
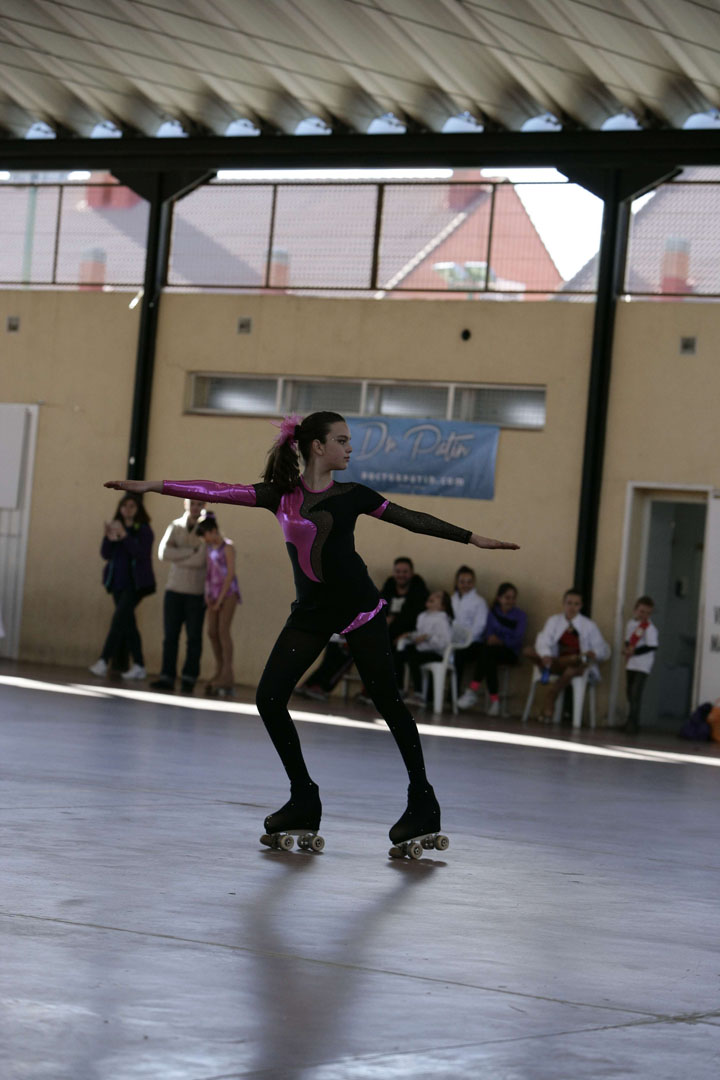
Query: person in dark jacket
(406, 593)
(128, 577)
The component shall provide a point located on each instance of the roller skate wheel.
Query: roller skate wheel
(285, 842)
(442, 843)
(414, 850)
(428, 842)
(316, 843)
(396, 852)
(266, 840)
(303, 842)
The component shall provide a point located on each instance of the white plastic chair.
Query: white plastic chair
(582, 686)
(440, 669)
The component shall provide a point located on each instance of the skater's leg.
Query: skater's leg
(370, 646)
(228, 607)
(213, 619)
(293, 653)
(194, 618)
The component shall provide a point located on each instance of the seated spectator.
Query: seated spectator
(427, 642)
(336, 662)
(469, 610)
(568, 645)
(501, 644)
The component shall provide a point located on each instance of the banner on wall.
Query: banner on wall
(424, 457)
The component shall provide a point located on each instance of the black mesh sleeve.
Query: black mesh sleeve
(424, 523)
(268, 497)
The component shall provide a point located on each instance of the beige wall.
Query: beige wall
(662, 425)
(76, 354)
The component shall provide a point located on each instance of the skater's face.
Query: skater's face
(571, 605)
(465, 583)
(212, 537)
(507, 600)
(336, 450)
(642, 613)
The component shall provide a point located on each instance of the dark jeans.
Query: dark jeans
(335, 663)
(123, 633)
(488, 659)
(635, 686)
(179, 609)
(414, 658)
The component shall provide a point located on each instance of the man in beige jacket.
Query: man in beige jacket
(184, 601)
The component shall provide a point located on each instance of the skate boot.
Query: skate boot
(418, 828)
(300, 817)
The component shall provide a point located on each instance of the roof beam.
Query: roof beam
(596, 149)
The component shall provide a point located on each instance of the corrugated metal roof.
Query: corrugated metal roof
(207, 63)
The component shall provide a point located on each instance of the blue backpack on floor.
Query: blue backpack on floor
(696, 726)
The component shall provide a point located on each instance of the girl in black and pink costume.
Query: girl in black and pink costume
(334, 596)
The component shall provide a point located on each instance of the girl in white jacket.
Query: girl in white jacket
(427, 642)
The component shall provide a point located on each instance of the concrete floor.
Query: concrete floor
(570, 932)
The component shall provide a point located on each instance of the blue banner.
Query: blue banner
(424, 457)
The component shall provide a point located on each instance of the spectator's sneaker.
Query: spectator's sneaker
(159, 684)
(99, 668)
(493, 708)
(363, 699)
(416, 698)
(136, 671)
(187, 686)
(316, 693)
(467, 700)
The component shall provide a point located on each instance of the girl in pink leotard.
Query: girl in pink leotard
(222, 596)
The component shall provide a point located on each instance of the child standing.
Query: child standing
(222, 596)
(641, 642)
(427, 642)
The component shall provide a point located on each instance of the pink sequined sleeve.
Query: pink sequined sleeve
(211, 491)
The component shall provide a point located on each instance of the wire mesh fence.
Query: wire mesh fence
(466, 239)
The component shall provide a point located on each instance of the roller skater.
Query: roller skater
(334, 596)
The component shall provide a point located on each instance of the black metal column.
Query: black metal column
(617, 187)
(161, 190)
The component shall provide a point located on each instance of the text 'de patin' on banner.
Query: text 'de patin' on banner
(424, 457)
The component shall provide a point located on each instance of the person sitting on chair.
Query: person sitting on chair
(568, 645)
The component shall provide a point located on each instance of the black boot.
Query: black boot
(421, 817)
(303, 810)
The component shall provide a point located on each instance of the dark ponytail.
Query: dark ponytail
(283, 464)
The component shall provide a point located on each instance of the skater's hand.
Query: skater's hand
(136, 487)
(488, 542)
(546, 661)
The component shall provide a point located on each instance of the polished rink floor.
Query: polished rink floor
(571, 931)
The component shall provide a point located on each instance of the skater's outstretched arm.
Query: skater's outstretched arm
(207, 490)
(433, 526)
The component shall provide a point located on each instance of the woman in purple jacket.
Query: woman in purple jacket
(500, 644)
(128, 577)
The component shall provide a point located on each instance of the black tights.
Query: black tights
(294, 652)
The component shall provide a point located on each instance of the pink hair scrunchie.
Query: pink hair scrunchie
(287, 429)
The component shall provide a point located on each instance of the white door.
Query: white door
(18, 432)
(709, 668)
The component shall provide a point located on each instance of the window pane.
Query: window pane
(220, 236)
(307, 397)
(29, 215)
(420, 401)
(429, 233)
(229, 394)
(674, 239)
(504, 406)
(103, 234)
(323, 236)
